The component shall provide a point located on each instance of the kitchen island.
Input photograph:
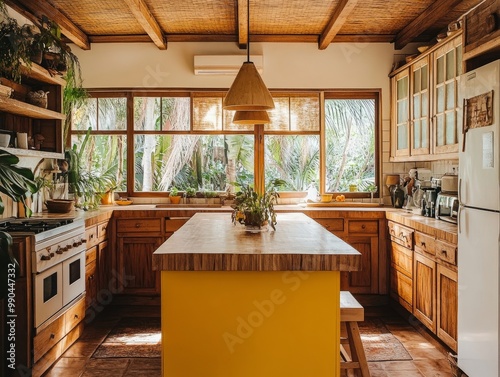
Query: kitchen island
(236, 303)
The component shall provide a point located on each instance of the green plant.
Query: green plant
(190, 192)
(15, 48)
(255, 209)
(15, 182)
(174, 191)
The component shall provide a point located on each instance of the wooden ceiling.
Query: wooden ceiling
(322, 22)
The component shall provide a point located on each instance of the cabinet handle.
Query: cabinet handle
(422, 244)
(444, 253)
(52, 336)
(363, 226)
(76, 316)
(137, 225)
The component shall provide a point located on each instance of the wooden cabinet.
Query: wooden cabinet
(19, 116)
(424, 291)
(447, 63)
(401, 272)
(98, 265)
(424, 100)
(424, 279)
(482, 34)
(366, 233)
(447, 305)
(400, 86)
(91, 277)
(135, 255)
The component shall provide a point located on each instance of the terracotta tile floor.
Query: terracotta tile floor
(429, 356)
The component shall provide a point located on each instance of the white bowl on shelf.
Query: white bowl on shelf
(4, 140)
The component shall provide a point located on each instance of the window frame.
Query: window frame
(258, 131)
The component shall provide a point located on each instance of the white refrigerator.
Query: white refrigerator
(479, 224)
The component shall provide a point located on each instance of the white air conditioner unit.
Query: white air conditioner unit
(224, 64)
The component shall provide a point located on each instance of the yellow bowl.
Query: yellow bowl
(325, 198)
(123, 202)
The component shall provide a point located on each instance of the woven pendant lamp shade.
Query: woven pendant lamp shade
(248, 92)
(251, 117)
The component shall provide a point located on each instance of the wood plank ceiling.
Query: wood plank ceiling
(85, 22)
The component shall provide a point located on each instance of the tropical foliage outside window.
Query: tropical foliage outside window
(187, 140)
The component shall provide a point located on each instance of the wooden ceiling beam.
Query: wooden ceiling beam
(242, 23)
(425, 20)
(148, 22)
(34, 10)
(339, 17)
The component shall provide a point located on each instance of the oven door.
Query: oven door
(73, 270)
(48, 293)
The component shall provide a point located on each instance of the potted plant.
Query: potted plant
(255, 210)
(15, 48)
(174, 196)
(15, 182)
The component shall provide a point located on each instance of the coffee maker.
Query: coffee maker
(429, 198)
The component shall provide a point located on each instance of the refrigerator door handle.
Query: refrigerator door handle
(460, 192)
(460, 207)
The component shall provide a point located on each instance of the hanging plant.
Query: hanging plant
(16, 182)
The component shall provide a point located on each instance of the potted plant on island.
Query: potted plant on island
(255, 210)
(174, 196)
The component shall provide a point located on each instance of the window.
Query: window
(350, 144)
(153, 141)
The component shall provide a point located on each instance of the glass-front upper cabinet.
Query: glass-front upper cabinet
(401, 114)
(447, 62)
(419, 115)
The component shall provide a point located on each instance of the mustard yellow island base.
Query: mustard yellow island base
(240, 304)
(250, 323)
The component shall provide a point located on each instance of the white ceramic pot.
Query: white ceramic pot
(4, 140)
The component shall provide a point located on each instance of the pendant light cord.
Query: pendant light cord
(248, 31)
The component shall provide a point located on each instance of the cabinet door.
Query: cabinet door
(104, 266)
(419, 114)
(447, 305)
(401, 114)
(366, 280)
(136, 275)
(424, 291)
(90, 283)
(447, 70)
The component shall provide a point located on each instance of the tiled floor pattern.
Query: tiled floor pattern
(429, 356)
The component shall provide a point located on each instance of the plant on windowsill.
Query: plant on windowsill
(255, 210)
(174, 196)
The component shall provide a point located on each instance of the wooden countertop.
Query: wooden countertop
(210, 242)
(429, 225)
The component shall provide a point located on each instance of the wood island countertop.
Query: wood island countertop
(210, 242)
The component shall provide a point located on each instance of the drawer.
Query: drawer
(138, 225)
(401, 234)
(102, 231)
(74, 315)
(173, 224)
(48, 338)
(402, 259)
(90, 255)
(363, 226)
(91, 236)
(425, 243)
(333, 225)
(446, 252)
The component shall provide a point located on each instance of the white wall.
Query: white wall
(286, 65)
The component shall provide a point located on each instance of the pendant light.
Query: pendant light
(248, 91)
(251, 117)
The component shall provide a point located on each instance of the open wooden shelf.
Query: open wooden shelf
(16, 107)
(33, 153)
(39, 73)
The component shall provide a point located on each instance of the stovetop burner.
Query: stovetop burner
(33, 226)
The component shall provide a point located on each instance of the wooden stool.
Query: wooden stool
(351, 312)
